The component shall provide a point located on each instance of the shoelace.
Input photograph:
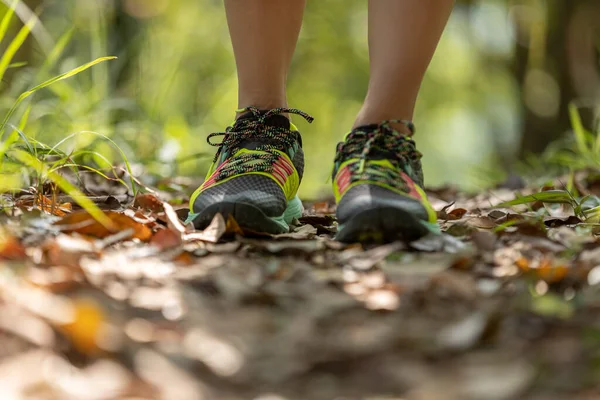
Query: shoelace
(275, 138)
(360, 144)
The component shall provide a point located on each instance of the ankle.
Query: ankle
(367, 117)
(263, 100)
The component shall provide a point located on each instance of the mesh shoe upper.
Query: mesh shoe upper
(254, 163)
(376, 166)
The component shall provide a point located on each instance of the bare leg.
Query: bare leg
(264, 35)
(403, 35)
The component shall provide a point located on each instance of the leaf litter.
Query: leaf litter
(502, 305)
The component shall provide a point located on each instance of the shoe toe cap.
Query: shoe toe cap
(366, 196)
(257, 190)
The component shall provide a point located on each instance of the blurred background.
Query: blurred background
(497, 91)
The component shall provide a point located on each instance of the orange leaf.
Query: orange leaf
(86, 326)
(11, 248)
(551, 273)
(83, 223)
(232, 226)
(523, 264)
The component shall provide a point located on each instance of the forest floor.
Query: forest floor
(503, 305)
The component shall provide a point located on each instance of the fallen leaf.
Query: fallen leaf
(481, 222)
(457, 213)
(173, 219)
(10, 248)
(85, 327)
(232, 226)
(212, 233)
(46, 205)
(83, 223)
(325, 220)
(303, 232)
(166, 239)
(148, 201)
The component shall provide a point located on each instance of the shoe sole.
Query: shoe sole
(382, 225)
(251, 218)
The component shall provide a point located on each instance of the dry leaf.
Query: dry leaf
(83, 223)
(457, 213)
(173, 219)
(213, 232)
(148, 201)
(10, 248)
(166, 239)
(233, 227)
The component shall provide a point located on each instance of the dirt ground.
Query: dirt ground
(504, 305)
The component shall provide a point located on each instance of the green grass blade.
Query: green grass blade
(23, 138)
(17, 64)
(115, 145)
(578, 129)
(6, 19)
(548, 196)
(66, 186)
(58, 49)
(14, 46)
(47, 83)
(92, 169)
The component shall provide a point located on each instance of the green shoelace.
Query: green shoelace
(272, 139)
(398, 148)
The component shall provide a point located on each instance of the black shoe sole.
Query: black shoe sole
(248, 217)
(382, 225)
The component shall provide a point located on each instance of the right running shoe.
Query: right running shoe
(377, 180)
(255, 174)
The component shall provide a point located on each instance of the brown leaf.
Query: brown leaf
(68, 250)
(166, 239)
(457, 213)
(83, 223)
(46, 205)
(322, 207)
(481, 222)
(148, 201)
(10, 248)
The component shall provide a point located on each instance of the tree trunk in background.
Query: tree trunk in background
(570, 52)
(538, 131)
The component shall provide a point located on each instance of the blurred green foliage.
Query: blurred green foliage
(174, 82)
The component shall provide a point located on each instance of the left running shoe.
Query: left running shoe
(255, 174)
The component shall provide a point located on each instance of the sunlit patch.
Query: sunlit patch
(219, 355)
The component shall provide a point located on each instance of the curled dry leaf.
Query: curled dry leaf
(211, 234)
(173, 219)
(83, 223)
(10, 247)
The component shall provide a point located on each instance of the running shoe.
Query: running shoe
(255, 174)
(377, 182)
